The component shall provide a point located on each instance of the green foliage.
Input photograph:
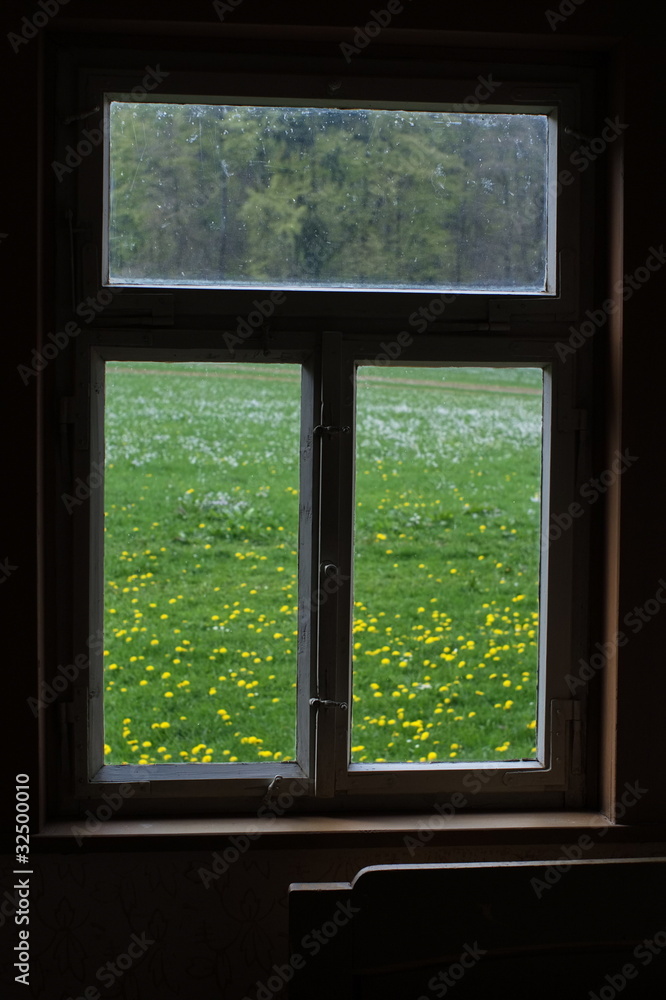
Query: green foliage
(201, 502)
(321, 196)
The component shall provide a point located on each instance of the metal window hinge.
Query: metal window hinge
(502, 313)
(137, 309)
(67, 410)
(328, 703)
(572, 420)
(569, 417)
(68, 712)
(70, 415)
(330, 429)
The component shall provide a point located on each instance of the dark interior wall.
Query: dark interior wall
(218, 939)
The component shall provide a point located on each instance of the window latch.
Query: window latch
(577, 135)
(273, 789)
(328, 703)
(82, 116)
(330, 429)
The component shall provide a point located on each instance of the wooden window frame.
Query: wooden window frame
(321, 329)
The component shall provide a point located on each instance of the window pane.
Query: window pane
(201, 528)
(327, 198)
(446, 571)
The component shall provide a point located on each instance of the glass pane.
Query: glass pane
(446, 570)
(200, 563)
(327, 198)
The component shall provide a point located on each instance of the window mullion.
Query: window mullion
(308, 556)
(331, 705)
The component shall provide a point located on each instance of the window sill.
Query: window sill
(537, 826)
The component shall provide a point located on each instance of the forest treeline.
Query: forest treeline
(327, 197)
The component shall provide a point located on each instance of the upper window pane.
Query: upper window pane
(329, 198)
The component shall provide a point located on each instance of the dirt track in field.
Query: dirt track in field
(425, 383)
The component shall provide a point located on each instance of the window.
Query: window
(329, 197)
(288, 337)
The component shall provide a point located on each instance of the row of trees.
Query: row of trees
(322, 196)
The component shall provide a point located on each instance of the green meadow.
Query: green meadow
(201, 530)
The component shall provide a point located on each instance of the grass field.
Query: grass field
(201, 518)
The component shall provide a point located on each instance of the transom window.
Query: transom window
(327, 197)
